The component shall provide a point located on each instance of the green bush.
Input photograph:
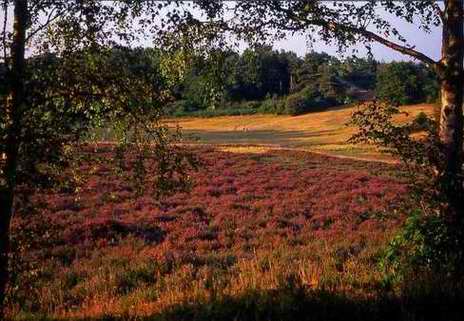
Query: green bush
(253, 104)
(180, 106)
(421, 122)
(406, 83)
(425, 244)
(296, 104)
(272, 105)
(216, 113)
(299, 103)
(307, 100)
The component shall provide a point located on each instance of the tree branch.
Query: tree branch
(50, 19)
(369, 35)
(439, 11)
(5, 22)
(410, 51)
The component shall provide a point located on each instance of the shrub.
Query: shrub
(432, 240)
(425, 243)
(273, 105)
(253, 104)
(307, 100)
(406, 83)
(216, 113)
(296, 104)
(421, 122)
(178, 106)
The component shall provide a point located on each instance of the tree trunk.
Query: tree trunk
(13, 110)
(6, 203)
(451, 118)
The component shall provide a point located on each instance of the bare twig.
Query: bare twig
(439, 11)
(5, 22)
(50, 19)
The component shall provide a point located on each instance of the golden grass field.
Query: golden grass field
(323, 132)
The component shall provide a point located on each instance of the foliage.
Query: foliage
(297, 104)
(258, 72)
(273, 105)
(307, 100)
(427, 242)
(421, 122)
(375, 123)
(79, 77)
(196, 94)
(83, 74)
(116, 87)
(344, 24)
(229, 80)
(360, 72)
(405, 83)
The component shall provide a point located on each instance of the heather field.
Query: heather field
(269, 231)
(268, 235)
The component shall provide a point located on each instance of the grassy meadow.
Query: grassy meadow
(269, 232)
(325, 132)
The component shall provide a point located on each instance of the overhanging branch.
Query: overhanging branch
(369, 35)
(410, 51)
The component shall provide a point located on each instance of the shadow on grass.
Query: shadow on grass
(297, 304)
(249, 136)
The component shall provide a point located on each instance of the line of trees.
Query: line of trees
(265, 80)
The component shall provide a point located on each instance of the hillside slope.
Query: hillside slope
(324, 131)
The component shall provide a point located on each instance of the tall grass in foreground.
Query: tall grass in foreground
(277, 235)
(320, 282)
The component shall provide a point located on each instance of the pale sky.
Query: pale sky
(430, 44)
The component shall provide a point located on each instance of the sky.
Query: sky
(428, 43)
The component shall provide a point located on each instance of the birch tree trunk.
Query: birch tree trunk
(451, 119)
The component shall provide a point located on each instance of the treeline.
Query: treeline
(264, 80)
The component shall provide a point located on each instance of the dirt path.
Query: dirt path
(261, 148)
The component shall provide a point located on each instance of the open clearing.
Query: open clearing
(325, 132)
(265, 234)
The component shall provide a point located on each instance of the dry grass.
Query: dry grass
(324, 132)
